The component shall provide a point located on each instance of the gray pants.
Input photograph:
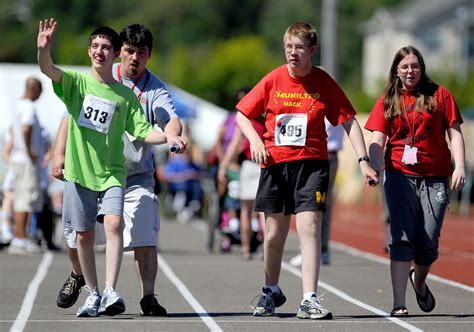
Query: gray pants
(416, 206)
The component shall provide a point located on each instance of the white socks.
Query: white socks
(309, 295)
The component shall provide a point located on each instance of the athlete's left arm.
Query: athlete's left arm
(458, 150)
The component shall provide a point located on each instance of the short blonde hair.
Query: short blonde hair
(303, 30)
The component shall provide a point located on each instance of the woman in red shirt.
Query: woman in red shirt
(414, 114)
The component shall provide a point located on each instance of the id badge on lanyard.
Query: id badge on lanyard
(409, 155)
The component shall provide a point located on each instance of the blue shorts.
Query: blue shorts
(416, 207)
(82, 207)
(293, 187)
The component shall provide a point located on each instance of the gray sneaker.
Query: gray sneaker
(112, 304)
(268, 301)
(325, 258)
(313, 309)
(91, 306)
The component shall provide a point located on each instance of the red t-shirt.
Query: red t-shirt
(294, 113)
(427, 131)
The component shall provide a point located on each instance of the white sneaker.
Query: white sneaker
(7, 234)
(313, 309)
(296, 261)
(32, 247)
(234, 225)
(23, 247)
(112, 304)
(91, 306)
(255, 225)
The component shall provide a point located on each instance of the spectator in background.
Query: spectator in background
(228, 185)
(26, 160)
(414, 114)
(335, 141)
(43, 220)
(40, 225)
(224, 137)
(7, 191)
(239, 148)
(183, 173)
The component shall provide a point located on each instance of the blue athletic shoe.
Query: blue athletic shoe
(268, 301)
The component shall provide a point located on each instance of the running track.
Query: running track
(361, 226)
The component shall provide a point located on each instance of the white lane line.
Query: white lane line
(352, 300)
(27, 305)
(187, 295)
(175, 320)
(382, 260)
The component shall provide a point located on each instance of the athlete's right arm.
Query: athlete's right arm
(257, 147)
(45, 36)
(59, 150)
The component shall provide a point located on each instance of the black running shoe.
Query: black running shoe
(70, 291)
(268, 301)
(150, 306)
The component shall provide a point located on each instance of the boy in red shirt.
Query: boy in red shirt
(293, 154)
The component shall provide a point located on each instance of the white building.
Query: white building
(443, 30)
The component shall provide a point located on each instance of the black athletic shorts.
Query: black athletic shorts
(293, 187)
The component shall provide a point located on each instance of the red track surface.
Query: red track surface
(362, 227)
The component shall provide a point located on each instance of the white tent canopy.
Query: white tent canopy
(203, 117)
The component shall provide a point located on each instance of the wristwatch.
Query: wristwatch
(364, 159)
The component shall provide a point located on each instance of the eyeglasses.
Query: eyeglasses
(299, 48)
(405, 68)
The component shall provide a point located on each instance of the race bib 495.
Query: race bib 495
(290, 129)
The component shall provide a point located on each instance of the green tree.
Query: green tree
(277, 15)
(209, 47)
(352, 13)
(217, 72)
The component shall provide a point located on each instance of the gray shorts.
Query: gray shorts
(142, 221)
(83, 207)
(416, 207)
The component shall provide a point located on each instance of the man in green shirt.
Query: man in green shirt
(101, 110)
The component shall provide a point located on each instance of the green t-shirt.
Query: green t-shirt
(100, 114)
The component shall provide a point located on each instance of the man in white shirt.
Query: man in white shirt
(25, 160)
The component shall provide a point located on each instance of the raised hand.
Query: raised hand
(45, 32)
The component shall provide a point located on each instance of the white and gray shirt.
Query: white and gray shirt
(157, 104)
